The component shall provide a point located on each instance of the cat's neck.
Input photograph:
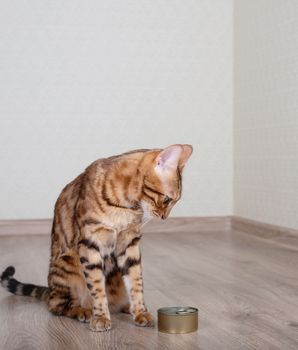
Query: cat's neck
(125, 181)
(122, 190)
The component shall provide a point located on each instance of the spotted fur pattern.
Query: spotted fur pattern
(96, 264)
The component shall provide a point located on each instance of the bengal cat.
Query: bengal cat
(95, 265)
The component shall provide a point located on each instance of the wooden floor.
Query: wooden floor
(246, 289)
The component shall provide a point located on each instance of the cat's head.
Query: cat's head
(163, 181)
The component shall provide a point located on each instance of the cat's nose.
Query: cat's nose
(163, 217)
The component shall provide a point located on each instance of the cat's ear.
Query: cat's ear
(168, 159)
(172, 157)
(187, 152)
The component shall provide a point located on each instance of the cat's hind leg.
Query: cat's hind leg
(78, 312)
(64, 305)
(69, 295)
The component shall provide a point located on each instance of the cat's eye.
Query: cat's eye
(166, 200)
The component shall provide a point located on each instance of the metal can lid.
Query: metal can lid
(178, 310)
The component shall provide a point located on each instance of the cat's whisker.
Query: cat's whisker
(143, 222)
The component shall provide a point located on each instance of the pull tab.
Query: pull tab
(185, 311)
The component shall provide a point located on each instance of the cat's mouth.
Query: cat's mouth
(155, 214)
(151, 213)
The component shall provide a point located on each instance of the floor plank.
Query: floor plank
(246, 289)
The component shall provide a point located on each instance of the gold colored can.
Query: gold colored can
(178, 319)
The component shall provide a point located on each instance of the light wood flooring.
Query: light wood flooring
(245, 287)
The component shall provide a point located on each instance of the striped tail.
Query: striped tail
(18, 288)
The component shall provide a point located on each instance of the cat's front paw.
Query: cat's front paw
(144, 320)
(100, 324)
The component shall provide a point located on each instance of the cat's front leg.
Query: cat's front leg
(131, 268)
(92, 265)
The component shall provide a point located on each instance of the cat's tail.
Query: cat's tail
(18, 288)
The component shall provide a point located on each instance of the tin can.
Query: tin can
(178, 319)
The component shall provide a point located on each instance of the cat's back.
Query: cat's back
(93, 189)
(94, 177)
(69, 194)
(106, 168)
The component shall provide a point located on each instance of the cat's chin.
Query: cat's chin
(149, 216)
(145, 206)
(154, 215)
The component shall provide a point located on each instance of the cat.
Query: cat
(95, 265)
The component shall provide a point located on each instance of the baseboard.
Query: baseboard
(25, 227)
(189, 224)
(185, 224)
(264, 230)
(192, 224)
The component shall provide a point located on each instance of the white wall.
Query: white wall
(266, 111)
(84, 80)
